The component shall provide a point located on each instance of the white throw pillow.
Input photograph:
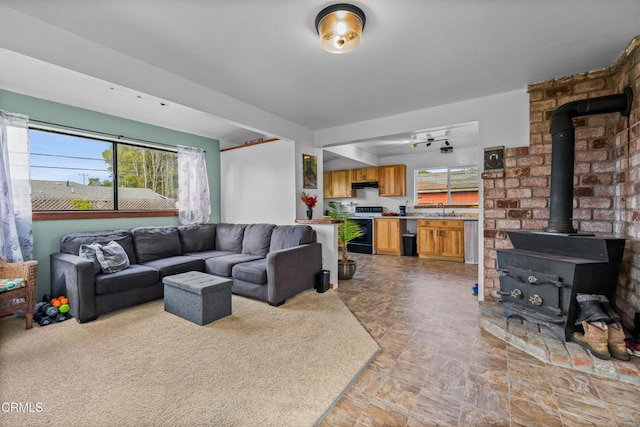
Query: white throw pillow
(112, 257)
(90, 252)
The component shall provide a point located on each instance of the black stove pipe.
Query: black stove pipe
(563, 155)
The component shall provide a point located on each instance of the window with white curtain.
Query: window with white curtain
(16, 236)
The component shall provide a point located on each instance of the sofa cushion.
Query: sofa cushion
(175, 265)
(134, 277)
(197, 238)
(221, 266)
(70, 243)
(252, 271)
(289, 236)
(153, 243)
(208, 254)
(229, 237)
(257, 238)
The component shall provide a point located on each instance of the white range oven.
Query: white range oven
(364, 216)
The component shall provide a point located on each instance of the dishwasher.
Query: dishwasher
(471, 242)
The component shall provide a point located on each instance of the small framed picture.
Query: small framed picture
(309, 171)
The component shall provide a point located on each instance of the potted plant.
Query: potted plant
(347, 231)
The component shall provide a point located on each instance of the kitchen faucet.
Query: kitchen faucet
(441, 205)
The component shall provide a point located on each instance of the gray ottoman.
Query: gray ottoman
(198, 297)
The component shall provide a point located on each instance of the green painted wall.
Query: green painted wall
(46, 234)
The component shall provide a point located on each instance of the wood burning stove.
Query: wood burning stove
(540, 277)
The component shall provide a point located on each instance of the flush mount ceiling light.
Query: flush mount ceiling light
(340, 27)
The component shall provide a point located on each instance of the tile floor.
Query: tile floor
(437, 367)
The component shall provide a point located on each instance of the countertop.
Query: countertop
(458, 218)
(408, 217)
(319, 221)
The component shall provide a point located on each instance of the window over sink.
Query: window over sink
(449, 186)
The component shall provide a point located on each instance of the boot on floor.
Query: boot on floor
(615, 342)
(595, 339)
(590, 309)
(614, 317)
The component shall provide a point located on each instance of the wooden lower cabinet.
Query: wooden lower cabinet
(388, 236)
(441, 239)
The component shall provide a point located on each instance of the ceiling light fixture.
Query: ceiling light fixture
(340, 27)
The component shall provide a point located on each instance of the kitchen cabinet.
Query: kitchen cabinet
(337, 184)
(326, 184)
(441, 239)
(392, 180)
(369, 174)
(388, 235)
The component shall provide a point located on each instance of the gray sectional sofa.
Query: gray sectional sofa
(265, 261)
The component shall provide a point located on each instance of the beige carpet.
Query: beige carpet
(261, 366)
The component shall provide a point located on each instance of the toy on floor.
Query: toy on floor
(51, 310)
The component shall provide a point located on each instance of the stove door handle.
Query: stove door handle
(557, 283)
(531, 277)
(555, 310)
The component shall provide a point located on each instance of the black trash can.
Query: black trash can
(409, 244)
(322, 281)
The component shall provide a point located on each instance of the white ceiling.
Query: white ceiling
(235, 69)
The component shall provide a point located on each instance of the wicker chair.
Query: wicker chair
(21, 298)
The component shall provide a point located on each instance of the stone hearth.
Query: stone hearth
(540, 343)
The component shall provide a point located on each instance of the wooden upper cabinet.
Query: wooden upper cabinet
(392, 180)
(337, 184)
(326, 184)
(369, 174)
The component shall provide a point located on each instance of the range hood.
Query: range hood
(369, 184)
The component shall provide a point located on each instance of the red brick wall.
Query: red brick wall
(606, 174)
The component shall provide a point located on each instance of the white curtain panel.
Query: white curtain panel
(16, 237)
(194, 202)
